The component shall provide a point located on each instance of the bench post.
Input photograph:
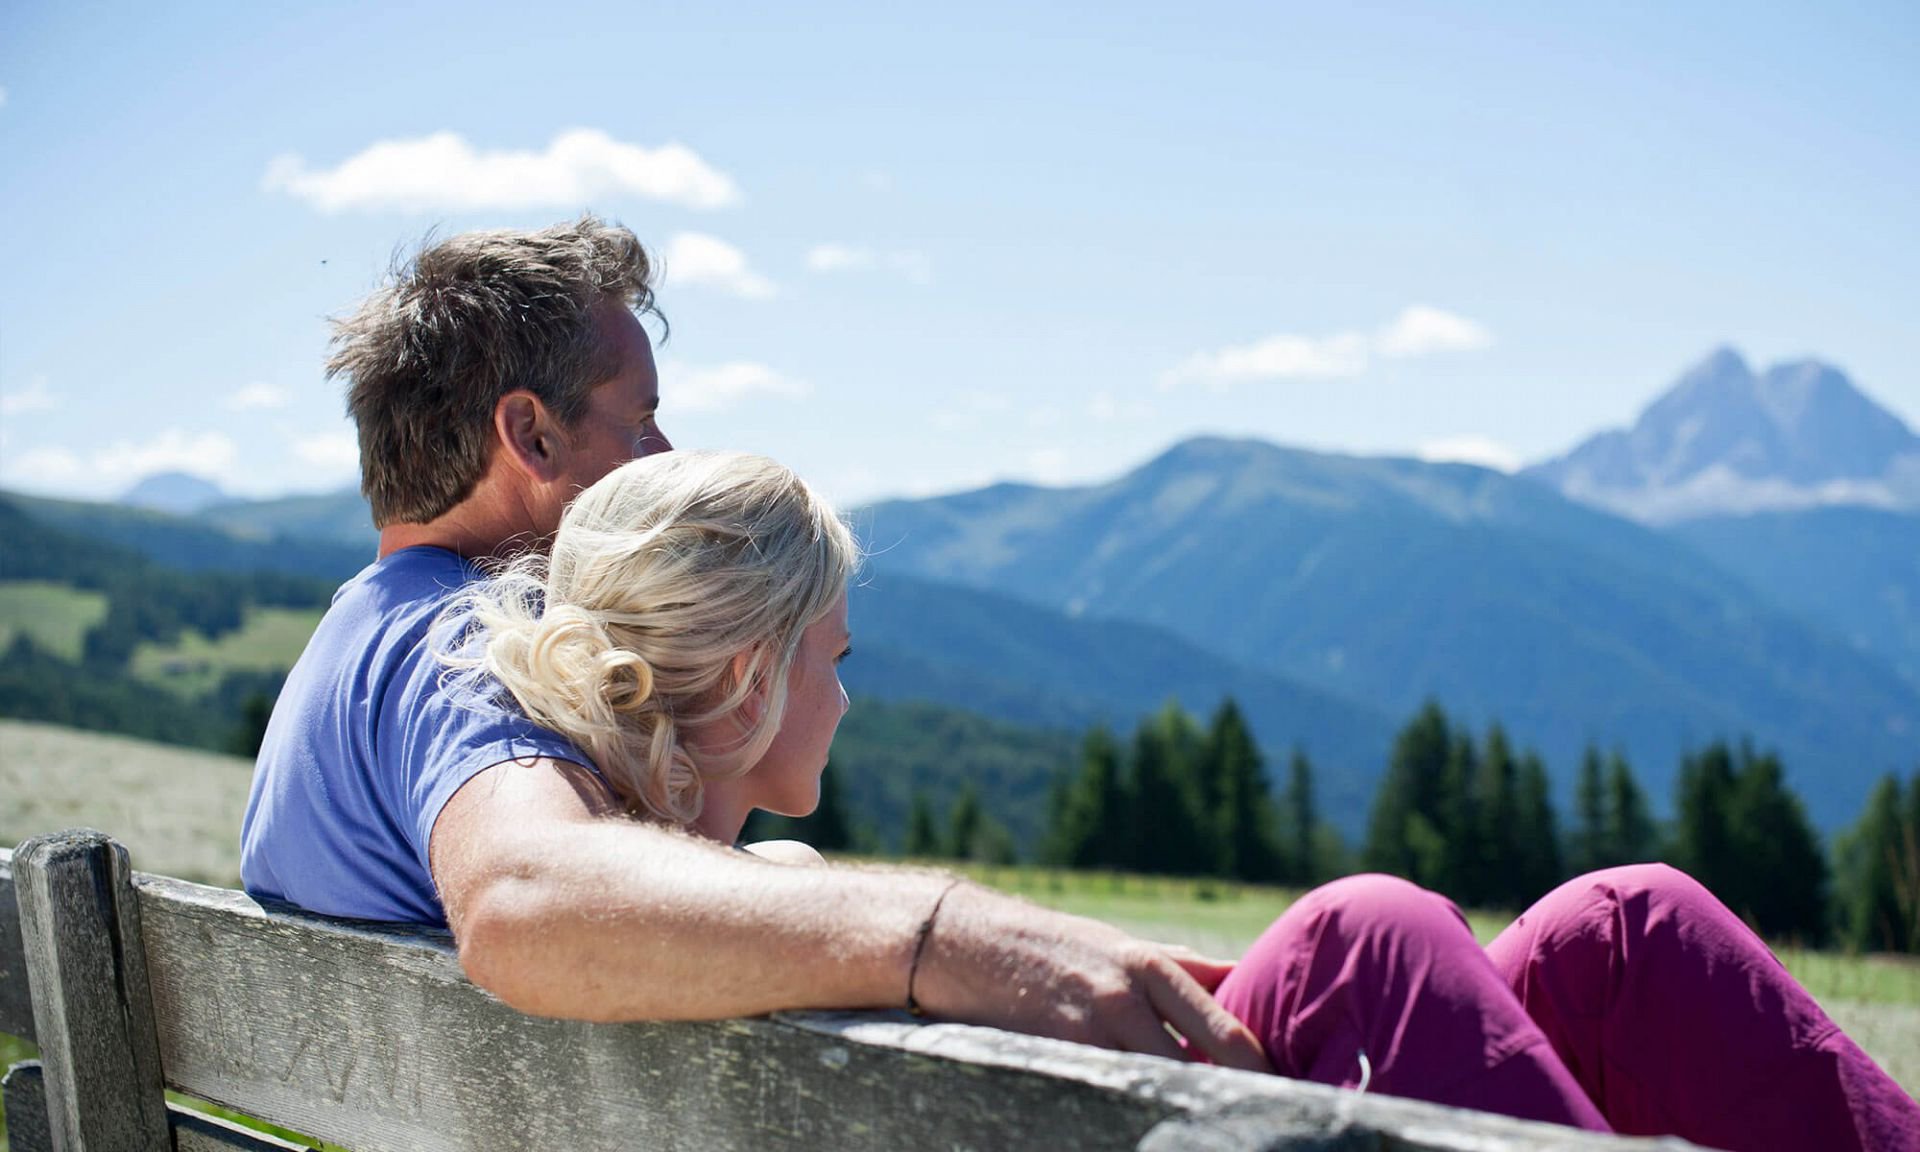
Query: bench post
(92, 1008)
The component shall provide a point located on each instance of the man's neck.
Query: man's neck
(487, 523)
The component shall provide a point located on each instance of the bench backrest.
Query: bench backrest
(369, 1036)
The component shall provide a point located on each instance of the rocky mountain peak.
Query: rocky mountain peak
(1723, 439)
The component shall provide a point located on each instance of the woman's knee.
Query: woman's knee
(1653, 886)
(1375, 904)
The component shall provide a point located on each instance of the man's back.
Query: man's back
(365, 746)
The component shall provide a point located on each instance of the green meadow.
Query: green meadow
(178, 811)
(54, 616)
(192, 666)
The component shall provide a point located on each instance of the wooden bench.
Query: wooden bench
(370, 1037)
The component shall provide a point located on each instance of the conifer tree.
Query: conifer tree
(1095, 824)
(1631, 837)
(965, 822)
(1539, 867)
(1703, 836)
(1457, 870)
(1494, 848)
(1242, 811)
(1872, 914)
(1302, 820)
(1907, 862)
(1589, 846)
(1167, 833)
(1400, 827)
(922, 842)
(1785, 876)
(1742, 834)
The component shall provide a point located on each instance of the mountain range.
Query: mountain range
(1628, 593)
(1725, 440)
(1394, 581)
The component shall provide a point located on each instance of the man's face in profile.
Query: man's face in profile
(620, 422)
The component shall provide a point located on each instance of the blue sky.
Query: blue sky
(911, 252)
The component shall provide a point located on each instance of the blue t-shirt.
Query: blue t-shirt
(366, 745)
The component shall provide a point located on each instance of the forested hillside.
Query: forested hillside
(1392, 581)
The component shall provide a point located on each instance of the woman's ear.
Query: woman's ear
(754, 704)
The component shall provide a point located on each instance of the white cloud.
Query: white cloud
(1422, 331)
(1048, 465)
(838, 258)
(696, 258)
(444, 173)
(719, 387)
(1282, 357)
(1417, 331)
(908, 263)
(35, 397)
(3, 97)
(42, 466)
(1481, 450)
(208, 454)
(257, 395)
(332, 452)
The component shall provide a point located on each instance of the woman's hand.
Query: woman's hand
(785, 852)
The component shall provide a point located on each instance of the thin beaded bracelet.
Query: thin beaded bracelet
(920, 946)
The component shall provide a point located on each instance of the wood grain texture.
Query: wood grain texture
(370, 1036)
(16, 1003)
(92, 1011)
(25, 1089)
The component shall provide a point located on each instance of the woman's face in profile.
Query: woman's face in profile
(787, 778)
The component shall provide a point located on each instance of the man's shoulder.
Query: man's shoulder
(396, 597)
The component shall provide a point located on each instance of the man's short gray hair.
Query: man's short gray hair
(463, 323)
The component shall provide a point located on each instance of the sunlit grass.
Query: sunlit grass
(271, 638)
(56, 616)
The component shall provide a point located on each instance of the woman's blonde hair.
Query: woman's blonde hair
(663, 576)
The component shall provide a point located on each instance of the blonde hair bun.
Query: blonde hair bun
(663, 576)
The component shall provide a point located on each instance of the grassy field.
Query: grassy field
(176, 809)
(55, 616)
(272, 638)
(178, 812)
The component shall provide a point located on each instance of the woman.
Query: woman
(686, 633)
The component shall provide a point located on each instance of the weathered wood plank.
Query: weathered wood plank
(16, 1005)
(370, 1036)
(25, 1089)
(92, 1010)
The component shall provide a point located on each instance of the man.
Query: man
(494, 378)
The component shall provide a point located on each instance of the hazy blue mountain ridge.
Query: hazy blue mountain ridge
(178, 493)
(193, 543)
(1389, 581)
(341, 518)
(1015, 661)
(1855, 571)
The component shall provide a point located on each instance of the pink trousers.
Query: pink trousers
(1627, 1000)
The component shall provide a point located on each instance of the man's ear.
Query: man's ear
(529, 435)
